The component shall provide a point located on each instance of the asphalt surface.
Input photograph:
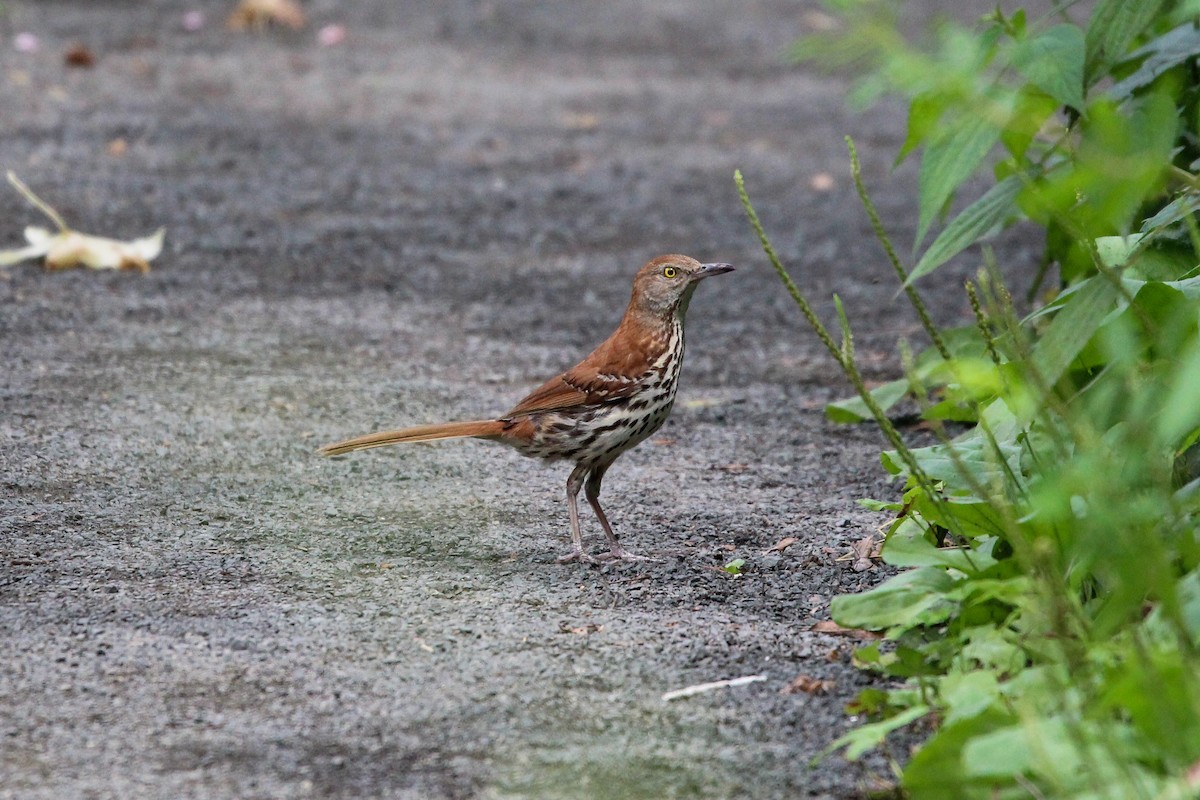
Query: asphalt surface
(419, 223)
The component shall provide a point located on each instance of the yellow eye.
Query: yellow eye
(669, 272)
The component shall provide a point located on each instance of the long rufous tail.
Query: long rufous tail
(421, 433)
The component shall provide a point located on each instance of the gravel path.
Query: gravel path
(424, 222)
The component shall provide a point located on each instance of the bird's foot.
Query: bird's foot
(621, 554)
(618, 554)
(577, 555)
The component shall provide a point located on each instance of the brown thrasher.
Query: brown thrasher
(598, 409)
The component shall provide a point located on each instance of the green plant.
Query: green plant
(1048, 615)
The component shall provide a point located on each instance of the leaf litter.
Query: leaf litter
(67, 248)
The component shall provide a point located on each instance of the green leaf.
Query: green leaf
(1053, 61)
(994, 648)
(937, 770)
(868, 737)
(1174, 211)
(907, 546)
(989, 211)
(1158, 56)
(1071, 329)
(908, 599)
(1114, 25)
(1188, 287)
(1119, 165)
(1188, 590)
(1180, 409)
(1031, 109)
(977, 519)
(949, 160)
(735, 567)
(853, 409)
(971, 452)
(924, 111)
(969, 694)
(1114, 251)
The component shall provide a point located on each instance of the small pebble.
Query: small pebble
(26, 43)
(331, 35)
(193, 21)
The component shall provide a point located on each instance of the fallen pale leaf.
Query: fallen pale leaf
(782, 544)
(821, 182)
(831, 627)
(258, 14)
(68, 248)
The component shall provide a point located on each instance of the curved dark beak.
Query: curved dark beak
(708, 270)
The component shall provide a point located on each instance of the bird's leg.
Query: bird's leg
(592, 492)
(574, 484)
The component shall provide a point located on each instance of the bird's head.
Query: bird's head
(665, 285)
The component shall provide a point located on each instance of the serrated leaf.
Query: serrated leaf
(990, 210)
(1112, 29)
(1172, 212)
(949, 160)
(1053, 61)
(1158, 55)
(1071, 329)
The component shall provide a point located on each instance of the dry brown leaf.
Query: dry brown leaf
(68, 248)
(258, 14)
(78, 55)
(782, 544)
(831, 627)
(864, 551)
(809, 685)
(581, 122)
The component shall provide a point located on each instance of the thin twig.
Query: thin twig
(37, 202)
(701, 688)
